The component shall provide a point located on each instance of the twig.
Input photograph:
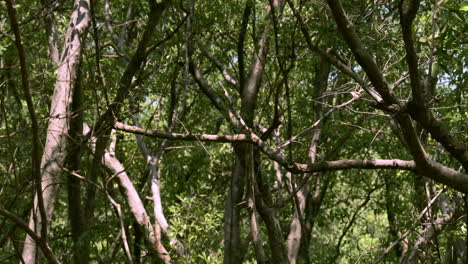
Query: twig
(429, 205)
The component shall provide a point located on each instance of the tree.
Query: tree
(247, 132)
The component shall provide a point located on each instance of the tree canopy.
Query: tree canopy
(280, 131)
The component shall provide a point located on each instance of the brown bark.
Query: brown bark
(260, 192)
(233, 243)
(73, 163)
(391, 217)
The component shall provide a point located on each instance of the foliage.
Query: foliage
(361, 212)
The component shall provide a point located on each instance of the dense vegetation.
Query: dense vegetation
(280, 131)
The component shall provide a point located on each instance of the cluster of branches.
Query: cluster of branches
(68, 136)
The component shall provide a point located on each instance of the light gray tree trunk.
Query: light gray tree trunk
(56, 142)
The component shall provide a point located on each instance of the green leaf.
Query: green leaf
(464, 7)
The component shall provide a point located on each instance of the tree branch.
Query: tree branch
(36, 151)
(39, 240)
(219, 66)
(439, 132)
(332, 59)
(416, 223)
(273, 154)
(407, 16)
(363, 57)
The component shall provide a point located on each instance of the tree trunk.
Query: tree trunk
(73, 163)
(300, 229)
(55, 149)
(232, 240)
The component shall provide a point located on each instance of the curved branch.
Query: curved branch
(332, 59)
(439, 132)
(39, 241)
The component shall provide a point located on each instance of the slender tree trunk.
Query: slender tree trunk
(51, 30)
(389, 206)
(136, 206)
(300, 229)
(232, 238)
(73, 163)
(55, 148)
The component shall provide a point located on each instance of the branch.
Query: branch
(118, 208)
(154, 171)
(136, 64)
(51, 29)
(332, 59)
(433, 229)
(217, 100)
(251, 86)
(317, 123)
(219, 66)
(439, 132)
(416, 223)
(39, 241)
(352, 221)
(134, 202)
(431, 169)
(407, 15)
(363, 57)
(416, 109)
(240, 42)
(391, 103)
(183, 137)
(36, 151)
(274, 154)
